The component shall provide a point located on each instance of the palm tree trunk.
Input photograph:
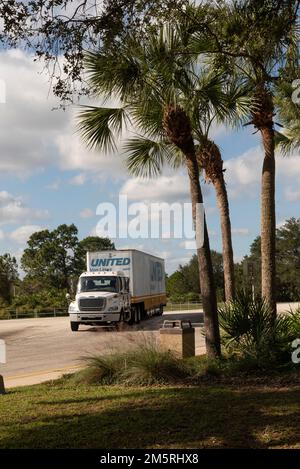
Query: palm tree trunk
(228, 263)
(268, 220)
(207, 287)
(178, 129)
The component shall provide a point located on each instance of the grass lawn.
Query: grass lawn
(59, 415)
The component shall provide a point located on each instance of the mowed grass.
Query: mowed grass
(59, 415)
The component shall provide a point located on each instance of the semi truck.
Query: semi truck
(119, 286)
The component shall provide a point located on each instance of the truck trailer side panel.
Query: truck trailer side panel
(146, 273)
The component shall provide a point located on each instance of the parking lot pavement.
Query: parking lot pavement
(45, 348)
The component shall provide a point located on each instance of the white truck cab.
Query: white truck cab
(102, 297)
(119, 285)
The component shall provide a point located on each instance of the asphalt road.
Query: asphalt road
(45, 348)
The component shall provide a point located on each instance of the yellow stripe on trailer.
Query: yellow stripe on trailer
(150, 301)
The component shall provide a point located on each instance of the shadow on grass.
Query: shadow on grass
(203, 417)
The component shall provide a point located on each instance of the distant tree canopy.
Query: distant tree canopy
(52, 257)
(52, 262)
(8, 277)
(288, 261)
(183, 284)
(95, 243)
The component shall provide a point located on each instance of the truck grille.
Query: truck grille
(91, 304)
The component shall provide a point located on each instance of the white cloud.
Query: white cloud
(22, 234)
(243, 174)
(14, 210)
(94, 164)
(78, 180)
(53, 186)
(33, 136)
(280, 224)
(166, 188)
(173, 262)
(292, 195)
(27, 124)
(289, 167)
(238, 259)
(240, 231)
(87, 213)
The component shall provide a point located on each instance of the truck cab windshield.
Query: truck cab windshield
(96, 284)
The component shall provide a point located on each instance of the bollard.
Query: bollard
(2, 387)
(178, 337)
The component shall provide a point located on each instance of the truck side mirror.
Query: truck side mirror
(68, 296)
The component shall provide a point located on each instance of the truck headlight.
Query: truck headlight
(73, 308)
(113, 308)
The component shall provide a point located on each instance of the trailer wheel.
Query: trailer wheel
(161, 310)
(74, 326)
(131, 319)
(138, 315)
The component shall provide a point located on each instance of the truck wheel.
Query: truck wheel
(121, 323)
(134, 316)
(74, 326)
(138, 315)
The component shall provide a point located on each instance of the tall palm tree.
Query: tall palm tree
(221, 102)
(257, 40)
(148, 78)
(230, 104)
(210, 159)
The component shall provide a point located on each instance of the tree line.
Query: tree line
(51, 263)
(183, 284)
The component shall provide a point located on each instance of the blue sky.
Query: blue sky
(48, 177)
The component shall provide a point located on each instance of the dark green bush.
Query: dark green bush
(249, 330)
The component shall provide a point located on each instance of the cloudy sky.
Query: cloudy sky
(48, 177)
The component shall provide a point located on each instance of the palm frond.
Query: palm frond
(147, 115)
(147, 157)
(288, 141)
(101, 126)
(126, 71)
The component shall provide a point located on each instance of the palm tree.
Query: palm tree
(231, 102)
(220, 102)
(210, 159)
(148, 78)
(259, 41)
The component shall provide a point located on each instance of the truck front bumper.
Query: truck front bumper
(95, 318)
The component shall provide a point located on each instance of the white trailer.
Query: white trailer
(119, 286)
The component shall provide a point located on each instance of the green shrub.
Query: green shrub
(104, 369)
(202, 366)
(192, 297)
(295, 323)
(249, 330)
(146, 364)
